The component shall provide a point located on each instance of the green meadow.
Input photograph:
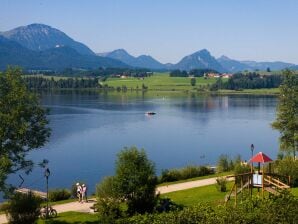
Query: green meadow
(159, 81)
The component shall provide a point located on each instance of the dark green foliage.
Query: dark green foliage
(193, 81)
(223, 164)
(201, 72)
(23, 125)
(184, 173)
(217, 85)
(288, 167)
(108, 201)
(241, 169)
(287, 113)
(221, 184)
(178, 73)
(105, 72)
(250, 80)
(166, 205)
(278, 209)
(34, 82)
(23, 208)
(59, 194)
(136, 180)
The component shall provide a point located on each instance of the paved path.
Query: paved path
(85, 207)
(186, 185)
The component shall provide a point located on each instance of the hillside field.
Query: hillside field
(159, 81)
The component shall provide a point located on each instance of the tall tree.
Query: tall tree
(23, 125)
(287, 113)
(136, 180)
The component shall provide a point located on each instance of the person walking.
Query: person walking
(84, 193)
(79, 192)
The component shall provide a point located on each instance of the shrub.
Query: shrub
(221, 184)
(222, 164)
(23, 208)
(288, 167)
(278, 209)
(59, 194)
(240, 169)
(108, 204)
(166, 205)
(184, 173)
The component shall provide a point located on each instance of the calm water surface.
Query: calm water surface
(89, 129)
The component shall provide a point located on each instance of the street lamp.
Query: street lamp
(47, 174)
(252, 147)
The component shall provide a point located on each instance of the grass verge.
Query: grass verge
(196, 178)
(73, 218)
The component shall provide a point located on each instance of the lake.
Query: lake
(90, 128)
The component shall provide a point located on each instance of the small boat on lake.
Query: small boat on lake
(150, 113)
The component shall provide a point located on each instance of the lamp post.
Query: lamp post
(252, 147)
(47, 174)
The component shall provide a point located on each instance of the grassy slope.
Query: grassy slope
(159, 81)
(72, 217)
(163, 82)
(196, 178)
(187, 197)
(200, 194)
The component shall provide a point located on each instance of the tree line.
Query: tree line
(104, 72)
(193, 72)
(37, 82)
(250, 80)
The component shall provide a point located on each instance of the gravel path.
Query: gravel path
(85, 207)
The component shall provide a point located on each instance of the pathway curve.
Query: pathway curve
(185, 185)
(85, 207)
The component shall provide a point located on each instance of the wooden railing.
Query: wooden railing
(276, 183)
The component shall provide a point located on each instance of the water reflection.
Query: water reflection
(89, 129)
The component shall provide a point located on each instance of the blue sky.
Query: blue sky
(169, 29)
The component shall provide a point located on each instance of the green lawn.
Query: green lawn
(159, 81)
(206, 194)
(72, 217)
(294, 191)
(197, 178)
(200, 194)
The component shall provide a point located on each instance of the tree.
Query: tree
(223, 163)
(23, 208)
(136, 180)
(23, 125)
(287, 113)
(108, 202)
(193, 81)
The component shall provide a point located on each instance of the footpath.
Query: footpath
(85, 207)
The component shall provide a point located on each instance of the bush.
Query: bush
(288, 167)
(23, 208)
(184, 173)
(278, 209)
(108, 203)
(166, 205)
(59, 195)
(221, 184)
(223, 164)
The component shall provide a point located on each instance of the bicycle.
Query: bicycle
(52, 213)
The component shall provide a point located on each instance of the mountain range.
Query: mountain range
(39, 46)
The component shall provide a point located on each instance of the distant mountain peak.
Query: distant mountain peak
(224, 57)
(40, 37)
(201, 59)
(142, 61)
